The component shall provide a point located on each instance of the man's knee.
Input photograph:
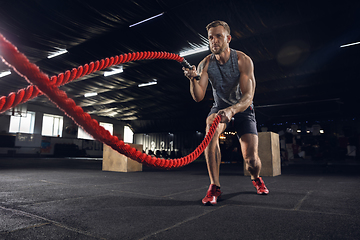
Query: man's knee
(214, 141)
(221, 127)
(210, 119)
(252, 161)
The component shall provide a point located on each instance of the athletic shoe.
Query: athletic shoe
(212, 195)
(260, 186)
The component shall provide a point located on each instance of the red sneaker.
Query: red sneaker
(260, 186)
(212, 195)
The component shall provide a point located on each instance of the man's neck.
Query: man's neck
(223, 57)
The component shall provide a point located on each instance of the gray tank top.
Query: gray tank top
(224, 80)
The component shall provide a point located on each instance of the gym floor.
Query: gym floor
(75, 199)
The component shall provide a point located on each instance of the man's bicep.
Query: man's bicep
(204, 77)
(245, 84)
(201, 67)
(247, 78)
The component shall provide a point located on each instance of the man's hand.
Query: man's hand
(226, 115)
(190, 73)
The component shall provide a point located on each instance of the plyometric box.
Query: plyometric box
(116, 162)
(269, 153)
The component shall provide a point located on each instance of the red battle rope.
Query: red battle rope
(40, 83)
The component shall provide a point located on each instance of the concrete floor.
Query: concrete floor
(75, 199)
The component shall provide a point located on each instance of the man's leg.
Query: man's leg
(249, 147)
(212, 152)
(213, 160)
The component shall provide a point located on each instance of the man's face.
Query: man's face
(218, 39)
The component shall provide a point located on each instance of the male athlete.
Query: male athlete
(231, 74)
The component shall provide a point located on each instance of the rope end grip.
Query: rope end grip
(186, 64)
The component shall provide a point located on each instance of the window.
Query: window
(24, 124)
(52, 125)
(108, 126)
(84, 135)
(128, 135)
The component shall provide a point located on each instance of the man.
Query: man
(231, 74)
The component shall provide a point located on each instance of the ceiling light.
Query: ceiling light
(90, 94)
(5, 73)
(148, 84)
(350, 44)
(146, 20)
(193, 51)
(115, 70)
(57, 53)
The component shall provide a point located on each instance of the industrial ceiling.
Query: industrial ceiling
(302, 73)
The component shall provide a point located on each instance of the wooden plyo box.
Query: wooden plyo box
(269, 153)
(116, 162)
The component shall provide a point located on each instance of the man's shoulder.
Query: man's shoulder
(207, 58)
(205, 61)
(243, 60)
(241, 55)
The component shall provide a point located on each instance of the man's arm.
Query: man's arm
(247, 87)
(198, 87)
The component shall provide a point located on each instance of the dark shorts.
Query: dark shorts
(242, 123)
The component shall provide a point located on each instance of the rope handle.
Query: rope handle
(186, 64)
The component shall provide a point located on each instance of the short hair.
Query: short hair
(217, 23)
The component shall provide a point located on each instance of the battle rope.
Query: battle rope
(20, 64)
(25, 94)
